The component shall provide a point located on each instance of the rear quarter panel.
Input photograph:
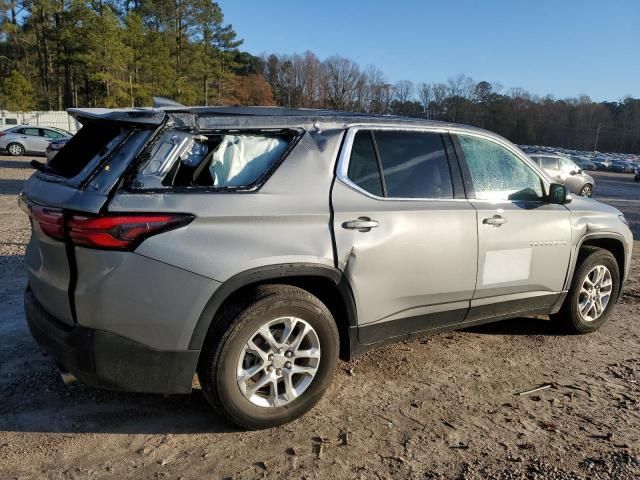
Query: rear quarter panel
(287, 220)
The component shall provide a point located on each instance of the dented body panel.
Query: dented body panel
(418, 265)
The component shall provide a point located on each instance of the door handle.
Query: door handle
(362, 224)
(496, 221)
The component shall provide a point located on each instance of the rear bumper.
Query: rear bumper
(103, 359)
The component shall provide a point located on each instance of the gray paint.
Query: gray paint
(422, 260)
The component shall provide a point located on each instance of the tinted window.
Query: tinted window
(31, 131)
(363, 166)
(50, 134)
(498, 174)
(93, 142)
(414, 164)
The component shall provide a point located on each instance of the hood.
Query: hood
(586, 204)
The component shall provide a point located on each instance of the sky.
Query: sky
(563, 47)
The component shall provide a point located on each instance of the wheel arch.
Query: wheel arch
(611, 242)
(327, 283)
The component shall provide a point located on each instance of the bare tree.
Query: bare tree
(342, 79)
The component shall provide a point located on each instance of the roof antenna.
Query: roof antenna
(162, 102)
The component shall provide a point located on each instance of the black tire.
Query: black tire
(586, 190)
(569, 318)
(15, 149)
(230, 331)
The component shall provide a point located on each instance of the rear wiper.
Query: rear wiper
(37, 165)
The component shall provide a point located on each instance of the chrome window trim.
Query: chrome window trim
(345, 155)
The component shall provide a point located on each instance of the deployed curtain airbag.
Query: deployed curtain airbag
(240, 160)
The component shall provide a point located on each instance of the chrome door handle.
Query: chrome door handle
(362, 224)
(496, 221)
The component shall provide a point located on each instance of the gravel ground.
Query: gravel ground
(441, 407)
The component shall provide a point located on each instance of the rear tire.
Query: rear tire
(15, 149)
(593, 293)
(235, 347)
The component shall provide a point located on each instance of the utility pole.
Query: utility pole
(595, 146)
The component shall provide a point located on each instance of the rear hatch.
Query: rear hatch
(79, 180)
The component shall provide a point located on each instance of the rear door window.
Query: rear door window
(400, 164)
(363, 165)
(31, 131)
(414, 164)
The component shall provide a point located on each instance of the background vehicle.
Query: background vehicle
(563, 170)
(601, 163)
(259, 244)
(54, 147)
(25, 139)
(584, 163)
(622, 166)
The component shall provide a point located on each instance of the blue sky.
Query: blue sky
(562, 47)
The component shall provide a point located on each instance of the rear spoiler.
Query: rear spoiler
(138, 116)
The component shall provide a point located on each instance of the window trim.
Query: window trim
(342, 169)
(545, 180)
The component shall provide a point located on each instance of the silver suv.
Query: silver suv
(565, 171)
(256, 246)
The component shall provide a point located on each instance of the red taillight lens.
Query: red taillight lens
(120, 232)
(51, 221)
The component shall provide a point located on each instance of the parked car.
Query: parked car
(54, 147)
(256, 245)
(601, 163)
(28, 139)
(564, 171)
(622, 166)
(584, 163)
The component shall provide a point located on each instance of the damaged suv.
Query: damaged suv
(255, 246)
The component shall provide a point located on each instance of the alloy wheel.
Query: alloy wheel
(595, 293)
(278, 362)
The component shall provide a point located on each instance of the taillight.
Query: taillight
(51, 221)
(122, 232)
(117, 232)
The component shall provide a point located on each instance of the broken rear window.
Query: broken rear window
(221, 160)
(93, 142)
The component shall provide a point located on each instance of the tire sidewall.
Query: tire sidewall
(606, 259)
(239, 407)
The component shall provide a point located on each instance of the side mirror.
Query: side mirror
(558, 194)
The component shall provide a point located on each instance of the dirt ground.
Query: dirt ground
(441, 407)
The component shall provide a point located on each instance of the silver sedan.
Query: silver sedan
(565, 171)
(27, 139)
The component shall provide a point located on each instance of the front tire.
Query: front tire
(593, 293)
(586, 190)
(15, 149)
(269, 359)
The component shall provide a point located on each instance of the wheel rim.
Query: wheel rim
(595, 293)
(15, 149)
(278, 362)
(586, 191)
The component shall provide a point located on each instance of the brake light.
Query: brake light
(122, 232)
(51, 221)
(117, 232)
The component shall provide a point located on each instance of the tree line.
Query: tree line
(56, 54)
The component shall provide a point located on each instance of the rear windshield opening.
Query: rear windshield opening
(93, 142)
(222, 160)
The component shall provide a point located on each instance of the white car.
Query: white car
(29, 139)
